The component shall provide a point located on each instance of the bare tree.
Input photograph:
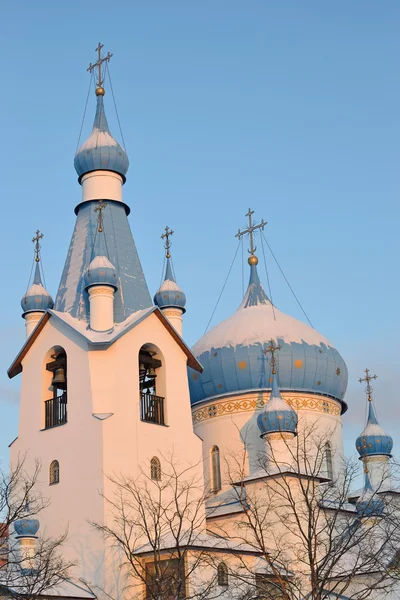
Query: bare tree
(312, 540)
(27, 571)
(158, 527)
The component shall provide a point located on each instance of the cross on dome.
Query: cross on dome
(368, 378)
(251, 228)
(99, 209)
(165, 236)
(271, 349)
(97, 65)
(36, 240)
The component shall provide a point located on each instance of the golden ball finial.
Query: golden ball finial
(100, 91)
(252, 260)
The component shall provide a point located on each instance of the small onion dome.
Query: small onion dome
(278, 416)
(169, 294)
(37, 298)
(101, 272)
(26, 527)
(369, 504)
(373, 441)
(233, 359)
(101, 151)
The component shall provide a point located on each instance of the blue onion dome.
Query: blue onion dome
(277, 416)
(234, 359)
(37, 298)
(369, 503)
(169, 294)
(101, 151)
(26, 526)
(101, 272)
(373, 441)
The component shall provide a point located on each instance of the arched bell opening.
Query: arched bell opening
(55, 402)
(152, 385)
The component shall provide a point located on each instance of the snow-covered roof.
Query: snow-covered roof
(235, 353)
(101, 340)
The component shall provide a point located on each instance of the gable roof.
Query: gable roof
(103, 340)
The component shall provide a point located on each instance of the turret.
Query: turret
(169, 296)
(37, 299)
(26, 529)
(373, 444)
(101, 281)
(369, 505)
(278, 421)
(101, 162)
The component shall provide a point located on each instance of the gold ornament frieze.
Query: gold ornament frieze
(253, 403)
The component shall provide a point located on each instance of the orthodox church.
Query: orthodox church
(109, 386)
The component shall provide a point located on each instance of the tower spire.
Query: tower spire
(98, 65)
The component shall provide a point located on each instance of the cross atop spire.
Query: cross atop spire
(97, 65)
(36, 241)
(167, 244)
(99, 209)
(252, 227)
(368, 378)
(272, 348)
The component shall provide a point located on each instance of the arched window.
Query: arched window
(155, 469)
(328, 461)
(54, 475)
(223, 574)
(55, 412)
(215, 470)
(151, 385)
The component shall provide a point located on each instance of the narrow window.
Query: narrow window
(54, 472)
(155, 469)
(223, 574)
(215, 470)
(328, 461)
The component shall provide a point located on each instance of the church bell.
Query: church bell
(59, 379)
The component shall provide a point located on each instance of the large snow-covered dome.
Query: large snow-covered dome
(233, 354)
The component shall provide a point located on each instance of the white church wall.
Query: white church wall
(104, 383)
(231, 423)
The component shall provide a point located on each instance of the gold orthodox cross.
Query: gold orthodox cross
(252, 227)
(97, 65)
(99, 209)
(36, 241)
(368, 378)
(165, 236)
(272, 348)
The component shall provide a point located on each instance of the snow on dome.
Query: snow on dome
(37, 298)
(277, 416)
(234, 359)
(101, 272)
(373, 440)
(101, 151)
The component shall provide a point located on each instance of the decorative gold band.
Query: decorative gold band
(253, 402)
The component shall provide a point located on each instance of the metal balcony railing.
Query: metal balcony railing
(55, 411)
(152, 409)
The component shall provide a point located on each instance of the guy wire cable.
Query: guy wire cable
(115, 106)
(285, 278)
(223, 287)
(269, 285)
(84, 112)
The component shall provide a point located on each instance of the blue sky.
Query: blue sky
(289, 107)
